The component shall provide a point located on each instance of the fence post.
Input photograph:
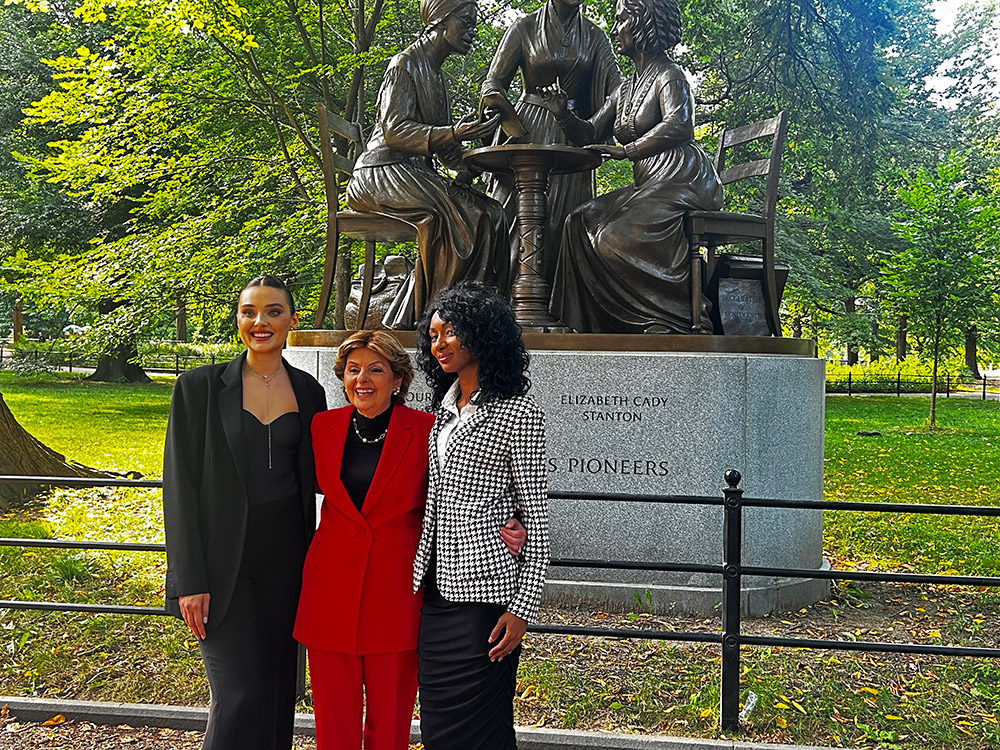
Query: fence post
(984, 387)
(71, 363)
(898, 393)
(947, 385)
(732, 533)
(849, 385)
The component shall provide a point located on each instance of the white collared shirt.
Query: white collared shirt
(456, 417)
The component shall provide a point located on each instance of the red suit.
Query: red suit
(358, 614)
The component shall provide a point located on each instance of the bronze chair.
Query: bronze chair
(368, 227)
(710, 229)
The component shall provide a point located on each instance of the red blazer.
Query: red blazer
(357, 595)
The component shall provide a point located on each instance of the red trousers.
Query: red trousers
(388, 683)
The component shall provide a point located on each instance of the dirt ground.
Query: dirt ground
(884, 613)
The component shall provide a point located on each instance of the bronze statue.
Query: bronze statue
(555, 43)
(624, 262)
(461, 234)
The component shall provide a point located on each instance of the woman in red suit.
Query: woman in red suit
(358, 615)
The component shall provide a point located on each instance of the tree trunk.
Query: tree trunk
(182, 317)
(850, 306)
(26, 456)
(873, 354)
(901, 322)
(932, 419)
(971, 353)
(116, 367)
(17, 334)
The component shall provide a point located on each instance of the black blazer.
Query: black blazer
(204, 501)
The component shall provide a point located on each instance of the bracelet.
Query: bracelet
(631, 151)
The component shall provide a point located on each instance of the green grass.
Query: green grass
(108, 426)
(807, 697)
(955, 464)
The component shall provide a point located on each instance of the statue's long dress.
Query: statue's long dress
(580, 55)
(461, 234)
(624, 262)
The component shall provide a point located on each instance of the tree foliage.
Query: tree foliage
(163, 151)
(945, 276)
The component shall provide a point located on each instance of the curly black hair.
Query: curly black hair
(484, 323)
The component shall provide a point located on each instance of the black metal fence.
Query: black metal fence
(899, 384)
(62, 359)
(730, 638)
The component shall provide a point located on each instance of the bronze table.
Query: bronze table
(532, 163)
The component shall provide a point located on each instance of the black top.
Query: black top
(270, 457)
(361, 458)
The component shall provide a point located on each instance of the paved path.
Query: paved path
(188, 722)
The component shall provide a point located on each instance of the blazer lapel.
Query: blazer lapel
(397, 441)
(231, 413)
(434, 457)
(334, 444)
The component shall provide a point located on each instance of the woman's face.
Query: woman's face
(624, 30)
(369, 381)
(460, 29)
(447, 348)
(264, 319)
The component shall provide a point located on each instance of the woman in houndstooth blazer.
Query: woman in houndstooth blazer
(487, 461)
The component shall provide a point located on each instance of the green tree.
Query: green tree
(947, 271)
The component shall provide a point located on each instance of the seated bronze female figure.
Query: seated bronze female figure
(461, 234)
(624, 262)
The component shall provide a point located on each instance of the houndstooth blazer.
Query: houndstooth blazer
(495, 463)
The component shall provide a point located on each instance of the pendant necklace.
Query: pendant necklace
(266, 380)
(366, 441)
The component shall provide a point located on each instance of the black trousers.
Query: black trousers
(250, 656)
(466, 701)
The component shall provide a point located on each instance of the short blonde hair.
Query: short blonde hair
(384, 345)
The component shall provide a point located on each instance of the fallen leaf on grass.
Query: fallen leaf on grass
(780, 721)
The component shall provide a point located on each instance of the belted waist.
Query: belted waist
(539, 102)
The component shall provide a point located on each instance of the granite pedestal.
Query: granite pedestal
(643, 421)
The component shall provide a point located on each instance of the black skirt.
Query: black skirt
(466, 701)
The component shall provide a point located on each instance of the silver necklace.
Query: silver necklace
(266, 380)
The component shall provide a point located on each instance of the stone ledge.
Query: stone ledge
(193, 718)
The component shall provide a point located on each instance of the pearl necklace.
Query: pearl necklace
(379, 439)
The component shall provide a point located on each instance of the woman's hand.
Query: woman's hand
(469, 128)
(194, 610)
(514, 535)
(555, 99)
(611, 152)
(513, 628)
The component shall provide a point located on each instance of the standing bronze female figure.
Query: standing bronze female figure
(624, 262)
(461, 234)
(555, 43)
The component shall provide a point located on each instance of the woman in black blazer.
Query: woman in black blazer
(239, 511)
(487, 462)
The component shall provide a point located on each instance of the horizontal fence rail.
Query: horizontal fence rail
(900, 384)
(730, 637)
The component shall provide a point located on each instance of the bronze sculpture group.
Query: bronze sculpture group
(618, 263)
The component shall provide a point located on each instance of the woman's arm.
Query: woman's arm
(398, 115)
(182, 468)
(580, 132)
(530, 484)
(507, 60)
(676, 125)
